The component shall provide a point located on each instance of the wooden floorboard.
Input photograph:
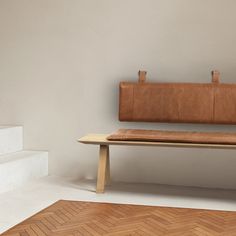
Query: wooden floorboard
(71, 218)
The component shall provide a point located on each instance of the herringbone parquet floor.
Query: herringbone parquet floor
(67, 218)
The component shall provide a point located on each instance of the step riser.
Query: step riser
(19, 171)
(11, 139)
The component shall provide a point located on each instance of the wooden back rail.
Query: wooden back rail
(103, 175)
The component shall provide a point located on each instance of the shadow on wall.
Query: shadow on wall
(175, 166)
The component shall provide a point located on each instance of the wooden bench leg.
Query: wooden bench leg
(103, 176)
(108, 174)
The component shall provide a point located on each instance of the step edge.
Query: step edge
(17, 156)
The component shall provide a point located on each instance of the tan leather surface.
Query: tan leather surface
(178, 102)
(173, 136)
(225, 104)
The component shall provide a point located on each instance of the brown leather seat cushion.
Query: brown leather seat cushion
(178, 102)
(173, 136)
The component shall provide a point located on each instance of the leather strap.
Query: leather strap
(215, 77)
(142, 76)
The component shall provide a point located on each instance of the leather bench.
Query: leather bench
(206, 103)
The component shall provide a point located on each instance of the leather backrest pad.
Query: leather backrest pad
(178, 102)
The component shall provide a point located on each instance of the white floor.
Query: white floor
(23, 202)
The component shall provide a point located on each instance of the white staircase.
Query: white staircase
(18, 166)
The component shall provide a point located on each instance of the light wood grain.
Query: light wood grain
(103, 168)
(108, 173)
(101, 139)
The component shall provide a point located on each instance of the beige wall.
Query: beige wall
(61, 62)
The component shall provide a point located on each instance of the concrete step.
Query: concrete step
(11, 139)
(21, 167)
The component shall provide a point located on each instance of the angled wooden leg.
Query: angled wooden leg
(102, 168)
(108, 175)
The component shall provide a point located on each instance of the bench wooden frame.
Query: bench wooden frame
(103, 175)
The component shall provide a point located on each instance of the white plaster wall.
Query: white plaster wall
(61, 62)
